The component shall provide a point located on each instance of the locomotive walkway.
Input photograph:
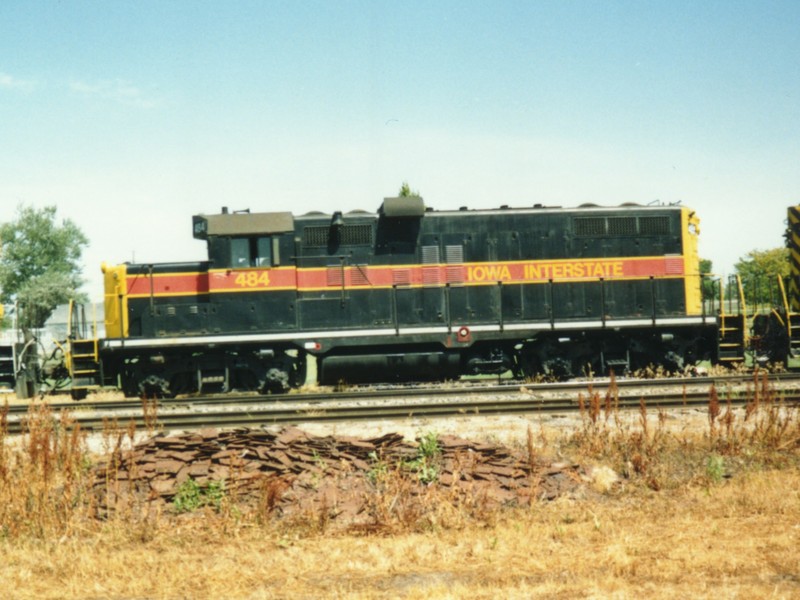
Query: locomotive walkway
(454, 400)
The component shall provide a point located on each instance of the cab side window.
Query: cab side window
(263, 252)
(251, 252)
(240, 253)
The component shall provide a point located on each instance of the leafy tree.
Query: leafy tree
(406, 191)
(759, 271)
(710, 285)
(40, 263)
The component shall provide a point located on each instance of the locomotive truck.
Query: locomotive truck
(407, 293)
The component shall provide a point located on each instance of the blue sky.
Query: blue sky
(133, 116)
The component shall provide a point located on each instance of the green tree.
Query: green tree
(40, 263)
(406, 191)
(710, 285)
(759, 271)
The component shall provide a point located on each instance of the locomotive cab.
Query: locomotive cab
(242, 240)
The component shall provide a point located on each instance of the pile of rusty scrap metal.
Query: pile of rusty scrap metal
(338, 474)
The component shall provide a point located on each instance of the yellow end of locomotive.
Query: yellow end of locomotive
(690, 224)
(116, 300)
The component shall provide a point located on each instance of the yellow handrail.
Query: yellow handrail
(785, 306)
(69, 318)
(742, 310)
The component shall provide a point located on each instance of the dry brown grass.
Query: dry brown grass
(42, 477)
(735, 540)
(701, 513)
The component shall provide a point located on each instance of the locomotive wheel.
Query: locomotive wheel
(181, 383)
(129, 388)
(276, 382)
(153, 386)
(286, 372)
(527, 366)
(559, 368)
(300, 371)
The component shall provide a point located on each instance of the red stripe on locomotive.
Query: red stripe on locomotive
(411, 275)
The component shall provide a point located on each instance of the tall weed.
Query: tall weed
(764, 432)
(44, 476)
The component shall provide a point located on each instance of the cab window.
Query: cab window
(251, 252)
(240, 253)
(263, 252)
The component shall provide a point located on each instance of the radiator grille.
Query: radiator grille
(349, 235)
(621, 226)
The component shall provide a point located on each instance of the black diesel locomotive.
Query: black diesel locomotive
(405, 294)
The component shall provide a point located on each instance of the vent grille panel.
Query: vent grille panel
(654, 225)
(622, 226)
(349, 235)
(590, 226)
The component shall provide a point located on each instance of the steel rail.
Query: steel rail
(366, 392)
(522, 402)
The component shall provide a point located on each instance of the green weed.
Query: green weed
(191, 497)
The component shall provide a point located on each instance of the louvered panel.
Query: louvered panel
(358, 276)
(454, 254)
(431, 275)
(430, 255)
(674, 265)
(334, 276)
(455, 274)
(401, 277)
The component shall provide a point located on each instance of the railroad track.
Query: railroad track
(238, 411)
(367, 392)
